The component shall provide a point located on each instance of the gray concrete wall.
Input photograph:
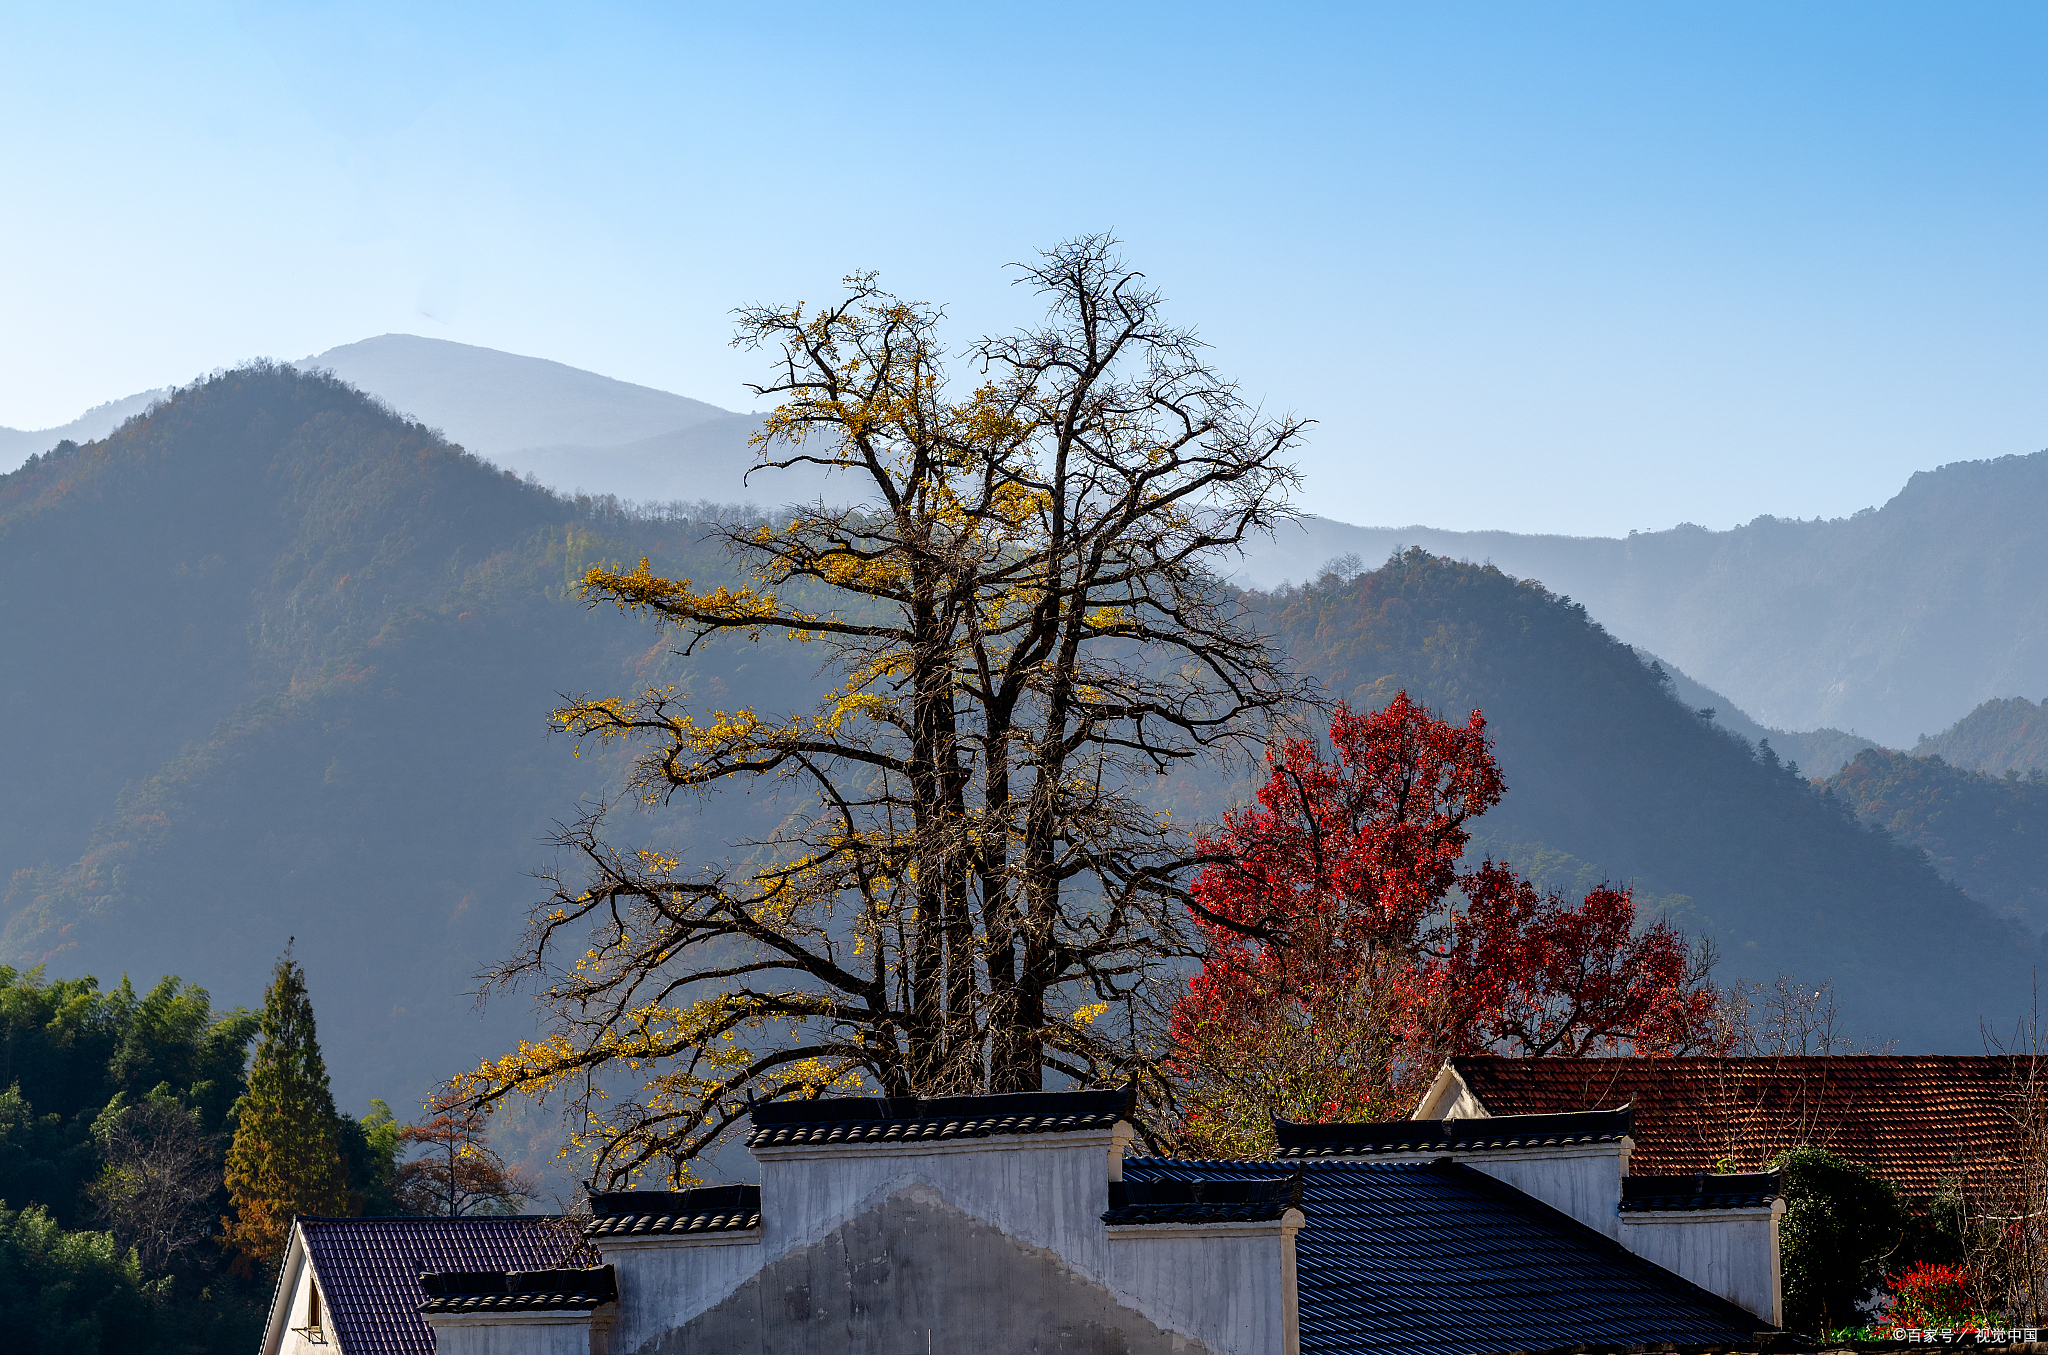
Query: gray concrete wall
(666, 1281)
(1582, 1181)
(997, 1242)
(1045, 1189)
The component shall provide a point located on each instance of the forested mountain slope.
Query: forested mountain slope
(1611, 778)
(1886, 624)
(1816, 752)
(1989, 834)
(279, 664)
(1998, 736)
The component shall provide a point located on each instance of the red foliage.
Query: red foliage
(1527, 973)
(1327, 907)
(1931, 1295)
(1355, 852)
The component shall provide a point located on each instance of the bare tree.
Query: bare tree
(1776, 1093)
(155, 1191)
(2003, 1202)
(1025, 631)
(458, 1173)
(1789, 1019)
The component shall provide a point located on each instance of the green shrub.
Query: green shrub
(1842, 1226)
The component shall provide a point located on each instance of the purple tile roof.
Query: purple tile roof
(369, 1269)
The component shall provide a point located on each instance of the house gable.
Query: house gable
(915, 1264)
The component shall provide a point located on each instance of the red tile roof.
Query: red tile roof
(1917, 1120)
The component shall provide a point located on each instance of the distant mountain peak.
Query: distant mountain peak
(496, 404)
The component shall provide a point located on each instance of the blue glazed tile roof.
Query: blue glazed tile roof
(369, 1269)
(1435, 1258)
(642, 1213)
(1699, 1190)
(875, 1119)
(1408, 1137)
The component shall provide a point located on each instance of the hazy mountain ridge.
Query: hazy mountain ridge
(495, 404)
(1818, 752)
(1879, 626)
(283, 667)
(710, 460)
(573, 431)
(18, 443)
(1884, 624)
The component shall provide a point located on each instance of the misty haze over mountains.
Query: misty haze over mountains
(574, 431)
(318, 644)
(1886, 627)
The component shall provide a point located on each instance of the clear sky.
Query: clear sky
(1581, 268)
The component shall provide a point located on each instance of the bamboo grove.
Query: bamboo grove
(1024, 632)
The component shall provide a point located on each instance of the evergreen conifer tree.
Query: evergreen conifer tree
(286, 1155)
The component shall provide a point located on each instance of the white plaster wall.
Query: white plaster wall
(300, 1281)
(666, 1281)
(1585, 1185)
(1045, 1189)
(1231, 1287)
(516, 1334)
(1584, 1182)
(1730, 1252)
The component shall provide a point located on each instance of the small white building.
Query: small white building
(1024, 1223)
(353, 1285)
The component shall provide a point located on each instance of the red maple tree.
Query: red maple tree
(1347, 953)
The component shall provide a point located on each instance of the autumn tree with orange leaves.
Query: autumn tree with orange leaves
(1348, 952)
(457, 1171)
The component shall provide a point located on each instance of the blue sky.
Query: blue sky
(1580, 268)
